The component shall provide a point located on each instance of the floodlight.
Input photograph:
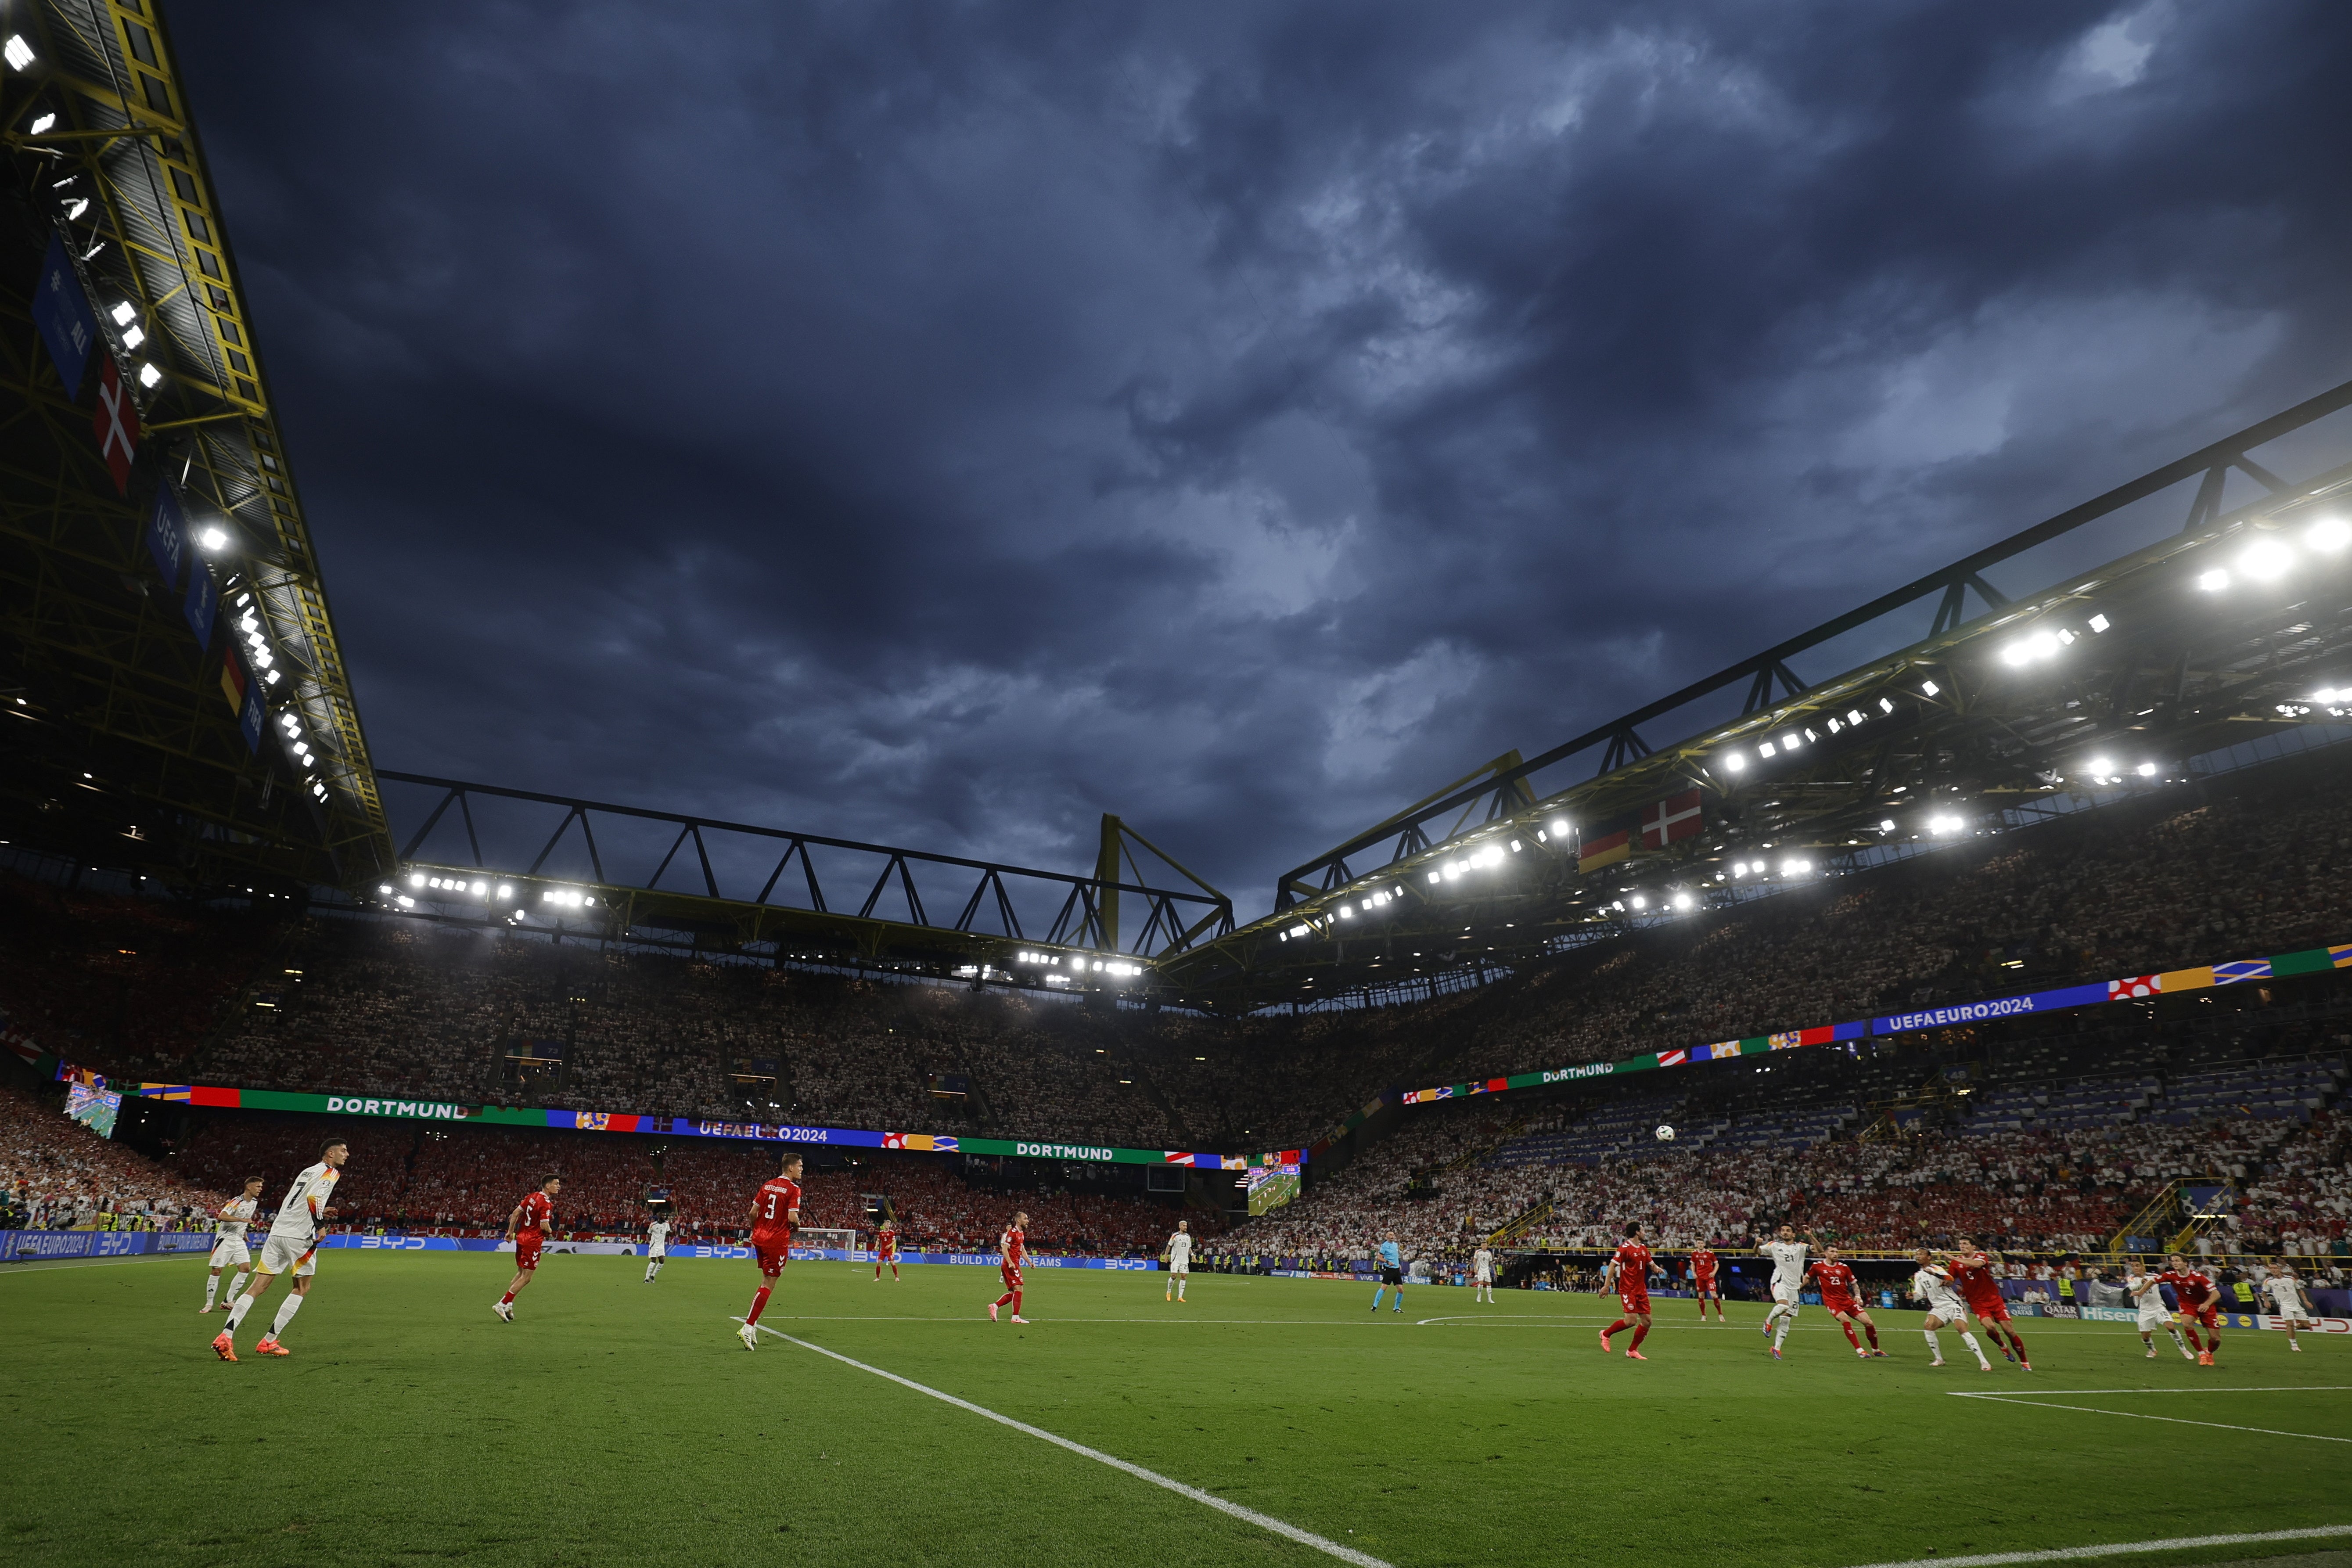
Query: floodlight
(1886, 705)
(1437, 876)
(480, 889)
(17, 52)
(1560, 827)
(1767, 750)
(1683, 900)
(505, 892)
(2329, 533)
(2213, 582)
(2147, 770)
(122, 313)
(40, 124)
(1927, 687)
(2265, 559)
(148, 374)
(1887, 825)
(1640, 903)
(133, 336)
(1347, 912)
(1854, 715)
(1734, 761)
(1514, 846)
(213, 538)
(2100, 765)
(2100, 623)
(417, 879)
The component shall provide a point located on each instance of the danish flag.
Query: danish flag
(1676, 817)
(2133, 986)
(116, 423)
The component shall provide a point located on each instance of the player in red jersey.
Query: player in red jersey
(1632, 1266)
(1971, 1271)
(527, 1227)
(1702, 1266)
(2200, 1303)
(886, 1250)
(775, 1214)
(1841, 1297)
(1013, 1247)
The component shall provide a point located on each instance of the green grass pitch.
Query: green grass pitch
(620, 1423)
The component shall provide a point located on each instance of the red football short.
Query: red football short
(1988, 1311)
(1633, 1300)
(1841, 1306)
(773, 1252)
(527, 1247)
(1011, 1276)
(1706, 1286)
(2204, 1317)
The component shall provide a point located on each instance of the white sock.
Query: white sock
(1934, 1345)
(1780, 1334)
(1179, 1289)
(237, 1313)
(2181, 1344)
(236, 1282)
(1969, 1339)
(285, 1311)
(212, 1290)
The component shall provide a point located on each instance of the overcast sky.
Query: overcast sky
(944, 424)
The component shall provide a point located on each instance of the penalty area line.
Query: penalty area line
(2036, 1400)
(2121, 1548)
(1247, 1515)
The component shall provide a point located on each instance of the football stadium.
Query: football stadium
(1881, 1102)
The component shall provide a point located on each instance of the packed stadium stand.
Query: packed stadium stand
(57, 1174)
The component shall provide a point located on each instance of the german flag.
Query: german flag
(1606, 843)
(232, 680)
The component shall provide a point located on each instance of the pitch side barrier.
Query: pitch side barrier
(39, 1246)
(698, 1250)
(2064, 999)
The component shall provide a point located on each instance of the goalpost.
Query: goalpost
(837, 1240)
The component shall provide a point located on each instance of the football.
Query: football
(1665, 1134)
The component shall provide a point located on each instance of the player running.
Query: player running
(1933, 1285)
(886, 1250)
(2147, 1292)
(1178, 1256)
(1012, 1247)
(527, 1227)
(1704, 1265)
(1972, 1270)
(235, 1219)
(292, 1240)
(1482, 1275)
(775, 1214)
(2289, 1302)
(1391, 1258)
(1788, 1256)
(2201, 1306)
(656, 1248)
(1841, 1300)
(1632, 1266)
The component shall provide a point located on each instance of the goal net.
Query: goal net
(835, 1240)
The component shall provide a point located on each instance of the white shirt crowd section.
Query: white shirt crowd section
(60, 1174)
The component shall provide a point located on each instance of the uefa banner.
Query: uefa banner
(229, 1098)
(30, 1246)
(2127, 988)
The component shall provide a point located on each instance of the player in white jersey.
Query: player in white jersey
(229, 1226)
(2288, 1300)
(2146, 1292)
(1179, 1255)
(656, 1248)
(292, 1240)
(1933, 1286)
(1482, 1275)
(1788, 1256)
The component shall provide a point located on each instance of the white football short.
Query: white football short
(229, 1251)
(1179, 1269)
(1786, 1295)
(2150, 1321)
(280, 1253)
(1481, 1277)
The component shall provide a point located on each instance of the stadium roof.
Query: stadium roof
(2235, 623)
(128, 748)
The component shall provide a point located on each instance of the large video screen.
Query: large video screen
(1271, 1186)
(91, 1103)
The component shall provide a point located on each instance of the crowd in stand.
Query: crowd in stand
(56, 1175)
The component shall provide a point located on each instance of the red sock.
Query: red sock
(1016, 1303)
(506, 1298)
(1872, 1329)
(1640, 1332)
(1620, 1326)
(758, 1304)
(2018, 1345)
(1008, 1296)
(1849, 1333)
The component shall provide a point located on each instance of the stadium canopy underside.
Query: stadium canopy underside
(2212, 630)
(128, 645)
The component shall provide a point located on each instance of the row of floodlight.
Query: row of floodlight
(1787, 741)
(2267, 560)
(1079, 963)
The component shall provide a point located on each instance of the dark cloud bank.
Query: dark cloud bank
(944, 424)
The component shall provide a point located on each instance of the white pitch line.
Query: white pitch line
(2283, 1388)
(1247, 1515)
(2032, 1400)
(2120, 1549)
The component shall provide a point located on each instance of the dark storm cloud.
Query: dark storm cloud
(941, 424)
